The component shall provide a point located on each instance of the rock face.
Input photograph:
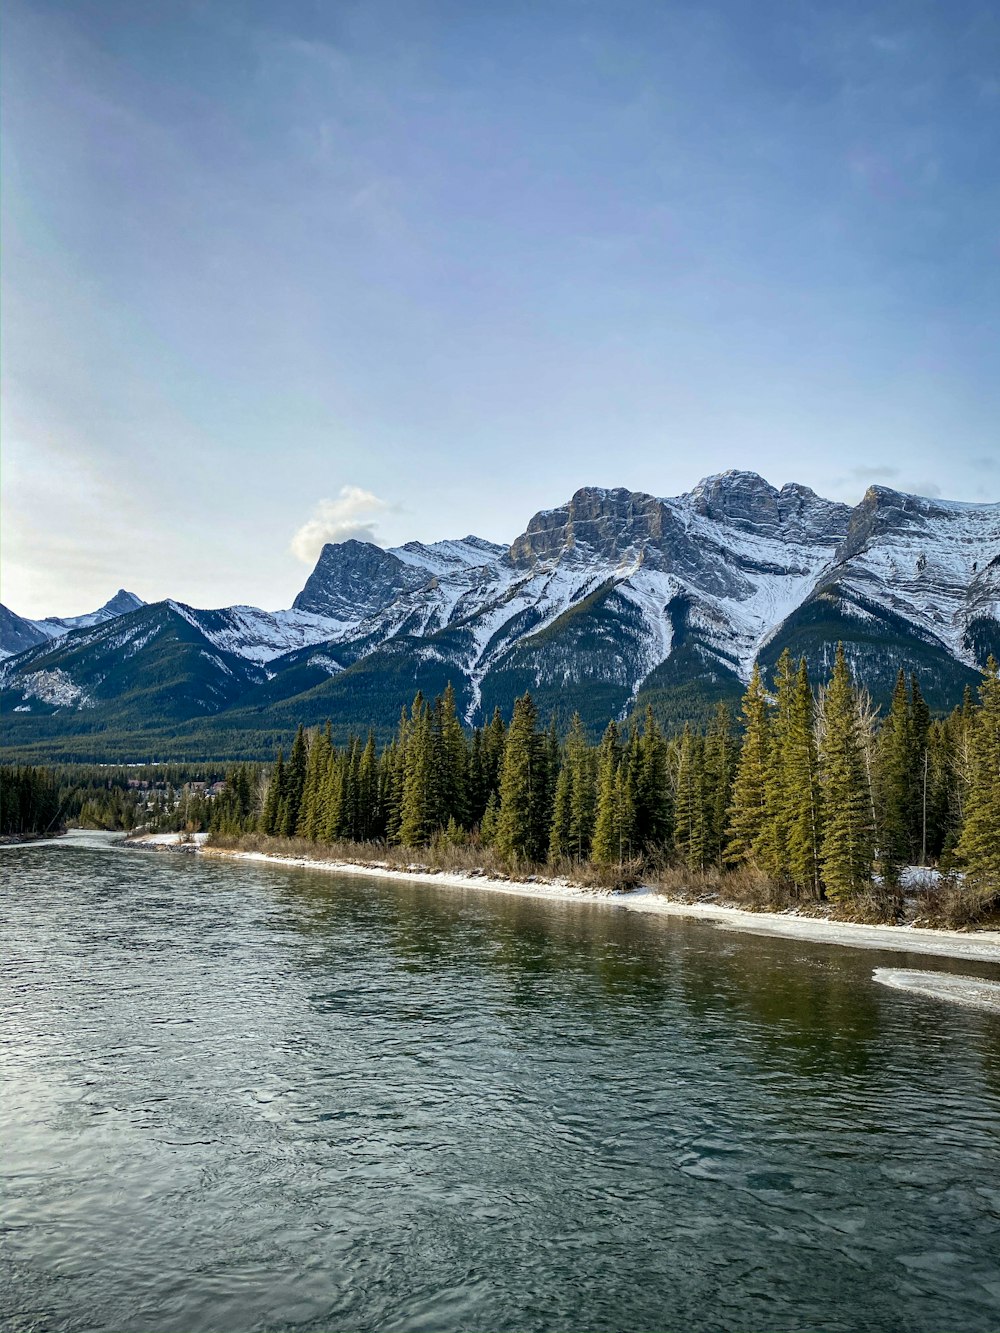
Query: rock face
(355, 578)
(608, 602)
(17, 634)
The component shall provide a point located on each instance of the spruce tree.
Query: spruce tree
(720, 758)
(521, 833)
(560, 844)
(295, 780)
(771, 847)
(978, 849)
(848, 847)
(803, 791)
(367, 781)
(895, 784)
(271, 814)
(748, 814)
(920, 727)
(652, 800)
(490, 820)
(455, 762)
(691, 823)
(605, 847)
(417, 821)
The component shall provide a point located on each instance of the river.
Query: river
(249, 1097)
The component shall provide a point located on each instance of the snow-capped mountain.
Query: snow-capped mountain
(607, 602)
(17, 633)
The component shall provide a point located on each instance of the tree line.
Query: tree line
(36, 800)
(808, 788)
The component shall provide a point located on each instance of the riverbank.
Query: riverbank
(22, 839)
(978, 946)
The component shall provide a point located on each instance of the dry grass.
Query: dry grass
(745, 888)
(954, 903)
(879, 906)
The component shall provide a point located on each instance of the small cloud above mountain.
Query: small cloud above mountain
(354, 514)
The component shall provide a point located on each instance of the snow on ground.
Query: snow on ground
(257, 635)
(982, 946)
(167, 840)
(976, 992)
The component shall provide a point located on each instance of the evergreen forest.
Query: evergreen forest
(808, 790)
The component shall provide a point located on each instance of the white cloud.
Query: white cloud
(354, 514)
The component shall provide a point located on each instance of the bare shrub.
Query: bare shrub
(956, 903)
(881, 905)
(747, 887)
(616, 878)
(443, 856)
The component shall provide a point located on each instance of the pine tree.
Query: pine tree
(652, 800)
(295, 780)
(720, 758)
(271, 814)
(748, 814)
(848, 847)
(978, 849)
(802, 790)
(895, 784)
(605, 845)
(771, 848)
(521, 833)
(417, 821)
(691, 825)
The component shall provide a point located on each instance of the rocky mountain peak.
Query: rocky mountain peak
(596, 521)
(353, 579)
(122, 603)
(746, 500)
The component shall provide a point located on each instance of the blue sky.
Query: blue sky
(439, 264)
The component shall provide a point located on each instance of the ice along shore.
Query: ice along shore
(982, 946)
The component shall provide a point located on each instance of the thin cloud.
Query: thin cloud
(353, 515)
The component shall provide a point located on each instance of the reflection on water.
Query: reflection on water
(242, 1097)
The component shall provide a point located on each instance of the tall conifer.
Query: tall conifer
(979, 846)
(848, 847)
(748, 827)
(521, 833)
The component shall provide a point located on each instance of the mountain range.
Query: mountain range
(611, 601)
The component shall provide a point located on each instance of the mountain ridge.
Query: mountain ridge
(610, 600)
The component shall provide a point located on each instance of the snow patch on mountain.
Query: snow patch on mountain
(54, 687)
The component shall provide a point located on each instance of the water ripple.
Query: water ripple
(242, 1097)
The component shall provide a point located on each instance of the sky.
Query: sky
(279, 273)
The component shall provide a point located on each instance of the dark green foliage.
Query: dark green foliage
(979, 846)
(749, 834)
(877, 643)
(29, 801)
(814, 796)
(848, 847)
(521, 830)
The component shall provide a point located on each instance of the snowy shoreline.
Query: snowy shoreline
(980, 946)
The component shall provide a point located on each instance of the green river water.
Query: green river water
(239, 1096)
